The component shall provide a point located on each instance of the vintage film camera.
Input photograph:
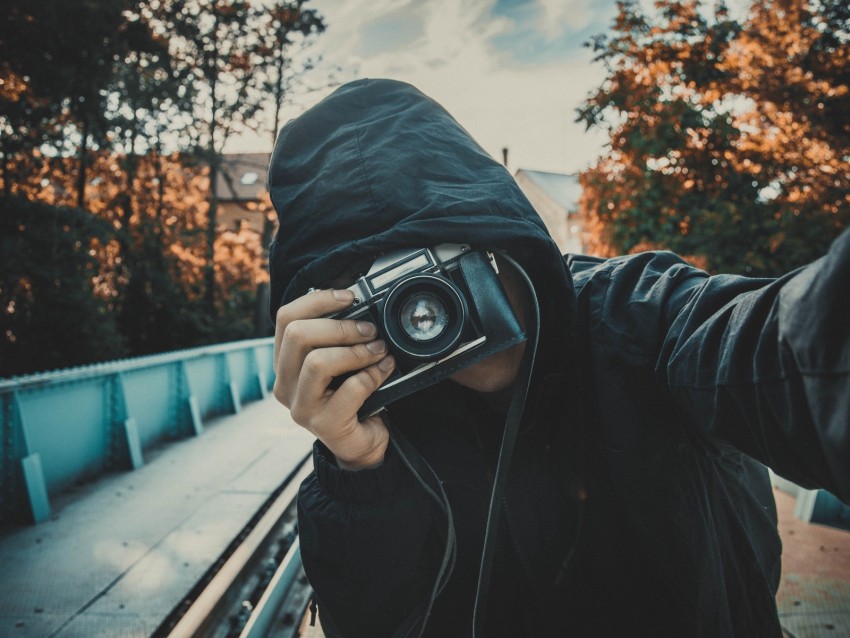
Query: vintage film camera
(439, 309)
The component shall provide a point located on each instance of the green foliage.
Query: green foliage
(729, 143)
(51, 313)
(154, 314)
(232, 52)
(287, 26)
(68, 76)
(123, 109)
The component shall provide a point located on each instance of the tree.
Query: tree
(287, 30)
(34, 86)
(285, 27)
(61, 88)
(795, 62)
(715, 133)
(125, 107)
(55, 293)
(149, 112)
(236, 54)
(27, 121)
(160, 303)
(215, 44)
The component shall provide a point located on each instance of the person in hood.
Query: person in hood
(637, 501)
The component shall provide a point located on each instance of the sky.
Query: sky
(512, 72)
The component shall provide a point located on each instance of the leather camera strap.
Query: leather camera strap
(415, 623)
(433, 486)
(509, 435)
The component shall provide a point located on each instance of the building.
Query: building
(242, 189)
(555, 197)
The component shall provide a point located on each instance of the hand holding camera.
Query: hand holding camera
(310, 352)
(415, 318)
(440, 310)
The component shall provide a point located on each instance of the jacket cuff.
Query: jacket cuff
(356, 486)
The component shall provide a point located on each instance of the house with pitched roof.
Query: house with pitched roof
(241, 190)
(555, 197)
(242, 187)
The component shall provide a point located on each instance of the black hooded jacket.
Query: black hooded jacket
(637, 502)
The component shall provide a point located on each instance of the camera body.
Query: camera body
(438, 309)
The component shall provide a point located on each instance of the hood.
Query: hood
(376, 166)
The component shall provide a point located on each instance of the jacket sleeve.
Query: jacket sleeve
(367, 538)
(766, 366)
(761, 364)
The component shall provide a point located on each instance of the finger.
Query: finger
(305, 336)
(323, 365)
(354, 391)
(309, 306)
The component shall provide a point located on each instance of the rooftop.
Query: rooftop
(562, 188)
(242, 176)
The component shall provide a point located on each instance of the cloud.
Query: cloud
(558, 16)
(502, 103)
(440, 31)
(459, 53)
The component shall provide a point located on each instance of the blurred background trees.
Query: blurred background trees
(114, 116)
(729, 141)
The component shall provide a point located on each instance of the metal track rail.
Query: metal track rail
(259, 587)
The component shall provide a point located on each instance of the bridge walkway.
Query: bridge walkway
(119, 553)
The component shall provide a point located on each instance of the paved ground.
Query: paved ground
(121, 552)
(814, 597)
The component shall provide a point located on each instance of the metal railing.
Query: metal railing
(64, 427)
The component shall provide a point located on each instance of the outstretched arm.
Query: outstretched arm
(766, 366)
(762, 364)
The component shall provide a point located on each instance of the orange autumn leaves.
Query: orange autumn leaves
(729, 141)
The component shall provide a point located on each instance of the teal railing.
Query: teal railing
(64, 427)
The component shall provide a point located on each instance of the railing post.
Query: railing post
(820, 506)
(262, 380)
(24, 488)
(188, 401)
(125, 446)
(36, 487)
(8, 490)
(231, 390)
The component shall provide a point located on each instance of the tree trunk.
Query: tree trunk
(131, 168)
(81, 175)
(212, 223)
(7, 183)
(278, 96)
(160, 200)
(262, 326)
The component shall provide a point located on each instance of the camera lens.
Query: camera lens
(423, 316)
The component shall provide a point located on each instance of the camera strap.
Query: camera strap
(433, 486)
(415, 623)
(509, 435)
